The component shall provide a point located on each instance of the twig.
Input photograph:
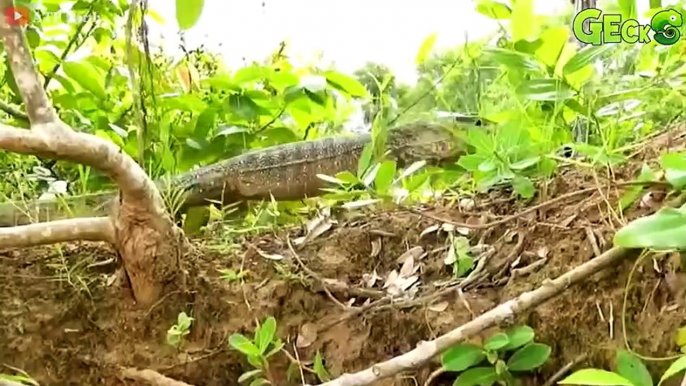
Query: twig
(437, 373)
(14, 112)
(314, 276)
(426, 350)
(565, 369)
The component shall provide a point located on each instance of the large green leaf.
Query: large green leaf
(481, 376)
(345, 84)
(524, 23)
(529, 357)
(243, 344)
(632, 368)
(461, 357)
(86, 76)
(188, 12)
(676, 367)
(513, 59)
(545, 90)
(553, 41)
(595, 377)
(662, 230)
(425, 49)
(583, 58)
(265, 334)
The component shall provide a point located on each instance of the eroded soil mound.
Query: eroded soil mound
(68, 319)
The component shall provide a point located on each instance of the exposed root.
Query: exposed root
(87, 229)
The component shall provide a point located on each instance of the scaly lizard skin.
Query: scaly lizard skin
(286, 171)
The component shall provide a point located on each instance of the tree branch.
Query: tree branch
(427, 350)
(38, 106)
(81, 148)
(87, 228)
(13, 111)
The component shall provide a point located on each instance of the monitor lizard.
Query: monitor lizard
(286, 172)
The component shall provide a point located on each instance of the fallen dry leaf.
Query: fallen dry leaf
(269, 255)
(416, 252)
(307, 336)
(439, 307)
(369, 279)
(428, 230)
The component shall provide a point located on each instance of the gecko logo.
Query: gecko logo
(593, 27)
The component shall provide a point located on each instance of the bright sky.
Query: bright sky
(346, 32)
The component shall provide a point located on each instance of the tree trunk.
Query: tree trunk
(139, 227)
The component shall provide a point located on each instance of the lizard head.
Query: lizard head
(430, 142)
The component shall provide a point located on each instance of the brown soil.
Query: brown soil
(66, 323)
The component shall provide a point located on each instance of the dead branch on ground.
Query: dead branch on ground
(139, 227)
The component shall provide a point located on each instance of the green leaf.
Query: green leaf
(676, 367)
(481, 376)
(632, 368)
(529, 357)
(676, 161)
(249, 374)
(523, 186)
(519, 336)
(411, 169)
(545, 90)
(524, 23)
(188, 12)
(205, 123)
(365, 159)
(628, 11)
(243, 106)
(633, 194)
(496, 341)
(319, 369)
(461, 357)
(661, 230)
(513, 59)
(680, 338)
(554, 40)
(525, 163)
(86, 76)
(371, 175)
(259, 382)
(425, 49)
(384, 177)
(595, 377)
(586, 56)
(494, 9)
(265, 334)
(345, 84)
(184, 321)
(244, 345)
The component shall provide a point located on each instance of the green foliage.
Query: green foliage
(258, 351)
(630, 371)
(488, 364)
(178, 331)
(188, 12)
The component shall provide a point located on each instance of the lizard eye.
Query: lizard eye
(672, 18)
